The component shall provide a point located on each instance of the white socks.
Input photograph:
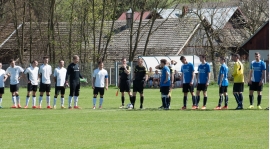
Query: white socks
(48, 100)
(40, 100)
(76, 100)
(100, 101)
(33, 100)
(69, 101)
(62, 101)
(14, 100)
(27, 100)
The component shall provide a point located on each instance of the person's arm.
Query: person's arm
(235, 70)
(167, 77)
(172, 79)
(68, 73)
(158, 67)
(192, 78)
(106, 80)
(174, 62)
(119, 81)
(209, 75)
(127, 70)
(263, 67)
(55, 75)
(221, 79)
(250, 74)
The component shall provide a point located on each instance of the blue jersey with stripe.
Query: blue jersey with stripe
(187, 70)
(165, 70)
(257, 70)
(223, 70)
(203, 70)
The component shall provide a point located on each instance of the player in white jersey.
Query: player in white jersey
(14, 72)
(32, 77)
(45, 71)
(59, 78)
(100, 75)
(3, 78)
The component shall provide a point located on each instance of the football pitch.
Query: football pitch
(112, 127)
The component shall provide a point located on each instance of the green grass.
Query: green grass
(149, 128)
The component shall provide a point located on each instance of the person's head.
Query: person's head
(235, 57)
(222, 59)
(140, 61)
(124, 61)
(156, 71)
(183, 59)
(61, 63)
(202, 58)
(12, 62)
(163, 62)
(0, 65)
(34, 63)
(45, 59)
(100, 64)
(76, 59)
(257, 56)
(150, 69)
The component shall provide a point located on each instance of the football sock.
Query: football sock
(14, 100)
(33, 100)
(236, 96)
(185, 101)
(164, 101)
(226, 100)
(130, 98)
(48, 100)
(101, 101)
(195, 100)
(204, 101)
(62, 100)
(123, 100)
(40, 100)
(133, 101)
(69, 101)
(18, 99)
(94, 101)
(220, 100)
(251, 99)
(27, 101)
(169, 100)
(54, 101)
(76, 99)
(240, 99)
(198, 100)
(141, 100)
(1, 101)
(259, 98)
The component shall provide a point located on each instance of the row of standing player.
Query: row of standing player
(35, 74)
(256, 78)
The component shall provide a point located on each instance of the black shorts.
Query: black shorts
(223, 89)
(138, 86)
(165, 90)
(124, 86)
(99, 90)
(254, 86)
(44, 87)
(187, 88)
(60, 89)
(201, 87)
(14, 88)
(31, 87)
(2, 90)
(238, 87)
(74, 89)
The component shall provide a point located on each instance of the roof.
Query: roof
(258, 30)
(136, 15)
(169, 13)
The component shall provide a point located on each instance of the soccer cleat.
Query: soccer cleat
(217, 108)
(14, 106)
(251, 107)
(194, 107)
(224, 108)
(54, 107)
(39, 107)
(203, 107)
(141, 106)
(259, 107)
(69, 107)
(49, 107)
(77, 107)
(63, 107)
(94, 107)
(26, 107)
(121, 107)
(265, 108)
(100, 107)
(183, 108)
(239, 108)
(19, 106)
(161, 107)
(34, 107)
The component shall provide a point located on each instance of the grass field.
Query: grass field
(149, 128)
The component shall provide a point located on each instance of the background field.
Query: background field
(149, 128)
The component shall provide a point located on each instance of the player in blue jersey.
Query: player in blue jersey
(223, 84)
(203, 79)
(256, 79)
(187, 70)
(165, 83)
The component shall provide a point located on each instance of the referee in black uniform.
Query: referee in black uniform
(123, 81)
(139, 82)
(74, 75)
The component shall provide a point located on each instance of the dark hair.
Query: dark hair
(222, 58)
(236, 55)
(203, 56)
(11, 60)
(123, 58)
(164, 61)
(33, 61)
(75, 57)
(45, 57)
(257, 53)
(99, 62)
(61, 60)
(182, 57)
